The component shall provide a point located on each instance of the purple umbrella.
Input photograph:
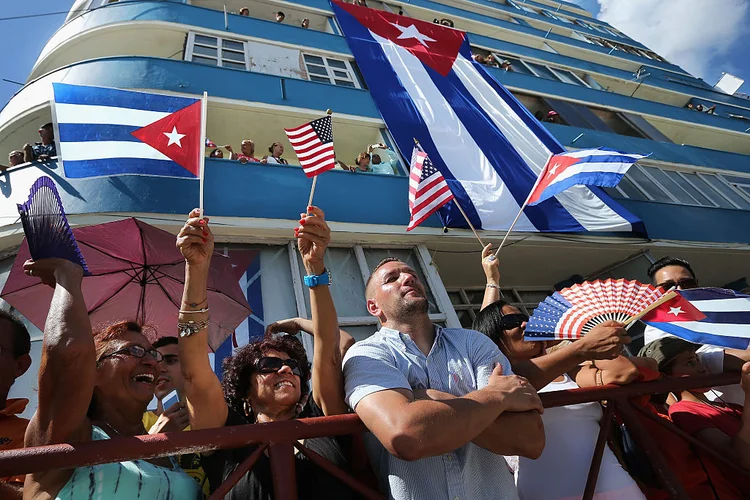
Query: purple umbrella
(137, 273)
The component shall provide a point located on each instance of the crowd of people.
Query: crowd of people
(452, 413)
(39, 151)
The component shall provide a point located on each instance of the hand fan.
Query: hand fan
(574, 311)
(46, 227)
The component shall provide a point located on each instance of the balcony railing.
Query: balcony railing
(279, 440)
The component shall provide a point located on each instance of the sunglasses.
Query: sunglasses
(136, 351)
(684, 283)
(270, 364)
(510, 321)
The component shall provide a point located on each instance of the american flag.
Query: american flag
(313, 143)
(428, 190)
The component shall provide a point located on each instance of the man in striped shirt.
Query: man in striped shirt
(442, 403)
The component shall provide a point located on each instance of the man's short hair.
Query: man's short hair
(361, 157)
(21, 337)
(47, 125)
(164, 341)
(668, 261)
(380, 264)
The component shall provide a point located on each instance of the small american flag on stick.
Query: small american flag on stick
(313, 144)
(428, 190)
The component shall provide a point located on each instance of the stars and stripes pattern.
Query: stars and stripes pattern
(428, 190)
(313, 144)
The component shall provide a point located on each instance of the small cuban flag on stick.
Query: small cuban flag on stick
(601, 167)
(105, 131)
(313, 144)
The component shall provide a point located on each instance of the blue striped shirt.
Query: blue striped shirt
(459, 362)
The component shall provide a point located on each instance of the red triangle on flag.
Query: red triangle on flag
(177, 136)
(676, 309)
(435, 45)
(556, 165)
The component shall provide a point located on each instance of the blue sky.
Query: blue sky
(705, 37)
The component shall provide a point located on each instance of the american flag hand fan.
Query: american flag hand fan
(46, 227)
(574, 311)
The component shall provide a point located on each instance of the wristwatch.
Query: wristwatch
(322, 279)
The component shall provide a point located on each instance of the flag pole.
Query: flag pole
(525, 203)
(202, 158)
(315, 179)
(460, 209)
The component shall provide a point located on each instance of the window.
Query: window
(685, 188)
(216, 51)
(329, 70)
(521, 6)
(468, 301)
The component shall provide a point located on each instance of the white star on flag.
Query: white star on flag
(413, 32)
(676, 311)
(554, 169)
(174, 137)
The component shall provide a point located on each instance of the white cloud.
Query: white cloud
(688, 33)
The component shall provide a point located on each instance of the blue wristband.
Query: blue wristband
(322, 279)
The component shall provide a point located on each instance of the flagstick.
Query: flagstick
(525, 203)
(455, 200)
(202, 164)
(312, 192)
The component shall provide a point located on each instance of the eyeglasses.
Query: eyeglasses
(510, 321)
(684, 283)
(270, 364)
(136, 351)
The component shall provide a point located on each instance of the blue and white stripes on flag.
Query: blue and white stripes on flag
(104, 131)
(601, 167)
(489, 148)
(726, 322)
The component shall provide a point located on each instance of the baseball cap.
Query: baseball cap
(665, 349)
(552, 113)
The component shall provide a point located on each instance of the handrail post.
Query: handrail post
(596, 461)
(283, 471)
(666, 475)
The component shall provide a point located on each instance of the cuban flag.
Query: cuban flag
(104, 131)
(488, 147)
(601, 167)
(714, 316)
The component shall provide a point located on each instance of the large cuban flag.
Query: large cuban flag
(714, 316)
(490, 149)
(104, 131)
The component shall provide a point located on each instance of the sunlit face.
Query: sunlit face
(364, 163)
(278, 150)
(15, 158)
(279, 17)
(123, 377)
(676, 276)
(170, 374)
(686, 364)
(512, 341)
(247, 147)
(305, 23)
(277, 391)
(396, 292)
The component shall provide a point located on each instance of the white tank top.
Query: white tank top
(561, 472)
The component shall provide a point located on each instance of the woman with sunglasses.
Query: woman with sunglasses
(92, 388)
(267, 380)
(571, 431)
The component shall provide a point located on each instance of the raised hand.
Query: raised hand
(52, 271)
(174, 419)
(313, 236)
(195, 240)
(290, 326)
(491, 265)
(515, 393)
(604, 341)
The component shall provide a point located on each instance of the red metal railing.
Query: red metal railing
(279, 440)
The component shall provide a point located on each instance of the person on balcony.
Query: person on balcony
(175, 418)
(305, 23)
(718, 424)
(280, 17)
(672, 272)
(42, 151)
(442, 404)
(378, 165)
(266, 380)
(244, 11)
(93, 388)
(15, 344)
(216, 153)
(15, 157)
(571, 431)
(247, 152)
(362, 163)
(276, 149)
